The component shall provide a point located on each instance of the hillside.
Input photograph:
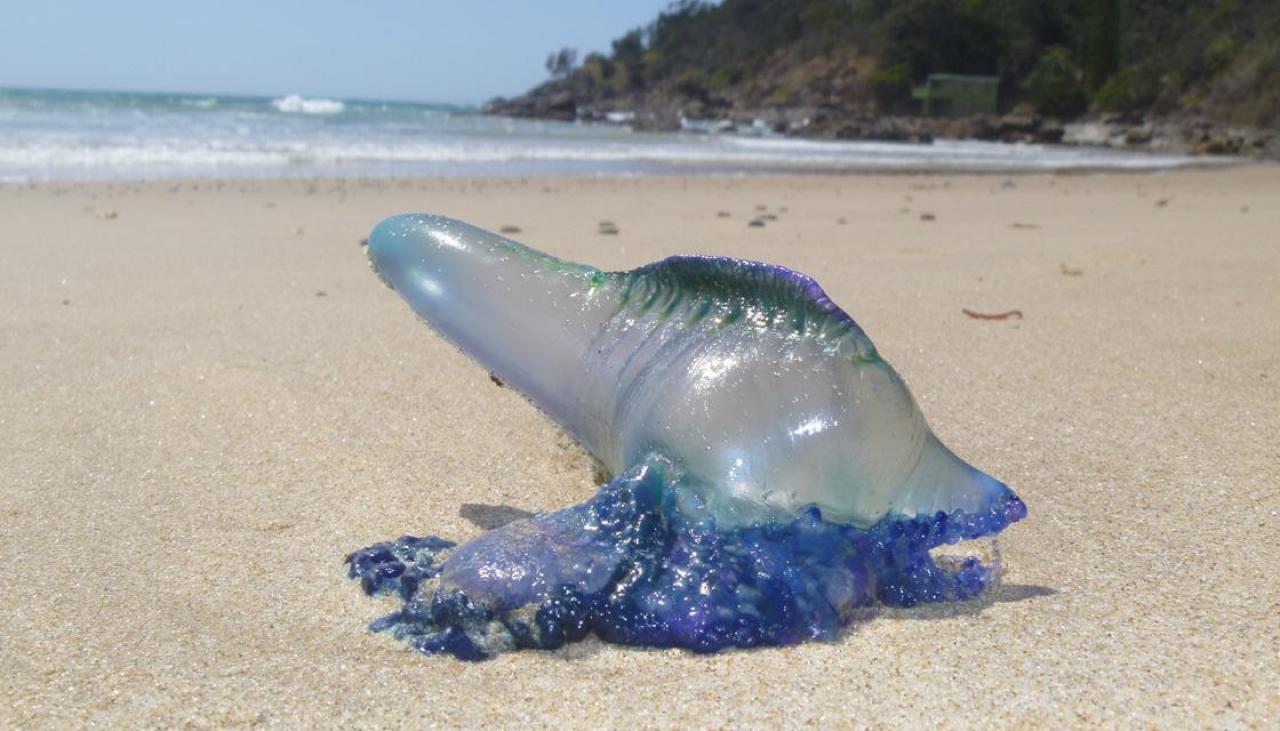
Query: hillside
(1203, 75)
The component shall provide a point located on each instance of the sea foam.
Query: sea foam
(51, 135)
(297, 104)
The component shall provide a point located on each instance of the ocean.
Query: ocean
(48, 135)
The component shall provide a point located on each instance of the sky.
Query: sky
(456, 51)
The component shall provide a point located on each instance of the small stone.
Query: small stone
(509, 229)
(756, 223)
(928, 217)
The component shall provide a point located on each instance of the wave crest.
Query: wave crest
(298, 104)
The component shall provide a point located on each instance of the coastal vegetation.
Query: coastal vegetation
(838, 60)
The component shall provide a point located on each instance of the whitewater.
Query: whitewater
(83, 135)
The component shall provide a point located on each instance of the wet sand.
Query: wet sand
(207, 400)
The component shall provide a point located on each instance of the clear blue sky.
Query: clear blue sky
(461, 51)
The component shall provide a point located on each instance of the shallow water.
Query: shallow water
(82, 135)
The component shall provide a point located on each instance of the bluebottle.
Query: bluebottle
(772, 478)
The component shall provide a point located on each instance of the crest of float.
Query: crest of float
(737, 406)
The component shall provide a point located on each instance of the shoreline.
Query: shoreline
(1114, 132)
(1194, 164)
(208, 400)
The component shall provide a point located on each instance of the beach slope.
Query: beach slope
(207, 400)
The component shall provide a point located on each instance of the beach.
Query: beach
(207, 400)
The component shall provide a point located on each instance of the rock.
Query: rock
(1138, 135)
(1219, 142)
(562, 106)
(1018, 124)
(549, 101)
(1050, 132)
(836, 109)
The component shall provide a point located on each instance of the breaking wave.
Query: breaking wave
(52, 135)
(297, 104)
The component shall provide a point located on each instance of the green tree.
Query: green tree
(561, 64)
(1102, 34)
(1054, 85)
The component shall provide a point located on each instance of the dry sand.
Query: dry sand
(206, 400)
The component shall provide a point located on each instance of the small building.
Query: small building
(958, 95)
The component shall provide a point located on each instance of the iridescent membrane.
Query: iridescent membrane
(774, 475)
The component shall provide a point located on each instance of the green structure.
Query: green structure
(958, 95)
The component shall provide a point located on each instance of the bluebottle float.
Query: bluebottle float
(773, 478)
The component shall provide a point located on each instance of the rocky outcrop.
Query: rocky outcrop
(709, 113)
(558, 104)
(1195, 136)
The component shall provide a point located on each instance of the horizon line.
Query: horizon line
(244, 95)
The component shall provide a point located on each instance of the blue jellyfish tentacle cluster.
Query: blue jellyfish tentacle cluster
(651, 575)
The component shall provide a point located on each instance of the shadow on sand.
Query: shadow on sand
(490, 517)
